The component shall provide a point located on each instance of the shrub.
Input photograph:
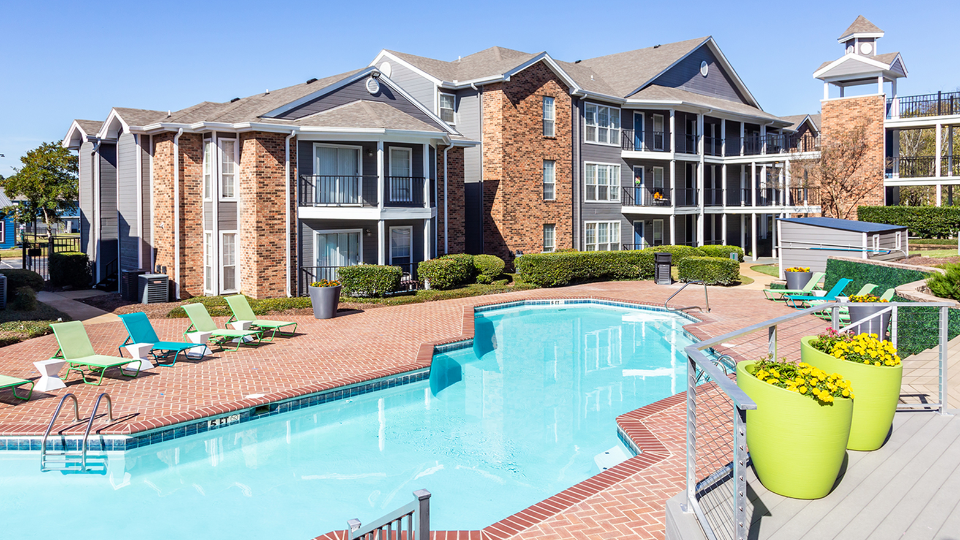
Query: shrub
(441, 273)
(370, 279)
(679, 252)
(488, 266)
(466, 264)
(552, 269)
(70, 268)
(861, 273)
(946, 285)
(24, 299)
(722, 251)
(17, 278)
(922, 221)
(710, 270)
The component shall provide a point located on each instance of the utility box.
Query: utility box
(153, 288)
(129, 284)
(661, 268)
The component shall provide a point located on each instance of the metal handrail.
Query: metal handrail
(86, 434)
(375, 531)
(693, 282)
(76, 414)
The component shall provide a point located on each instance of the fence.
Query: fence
(36, 251)
(939, 104)
(310, 274)
(716, 420)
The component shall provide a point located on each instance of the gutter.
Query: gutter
(286, 176)
(176, 210)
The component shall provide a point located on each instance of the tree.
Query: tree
(840, 171)
(48, 182)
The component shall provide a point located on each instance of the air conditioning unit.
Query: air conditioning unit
(153, 288)
(129, 285)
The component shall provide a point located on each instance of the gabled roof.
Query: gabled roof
(364, 114)
(797, 120)
(89, 127)
(844, 224)
(139, 117)
(488, 62)
(627, 72)
(869, 64)
(656, 92)
(4, 200)
(79, 131)
(860, 26)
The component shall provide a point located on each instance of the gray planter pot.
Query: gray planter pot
(797, 280)
(325, 301)
(877, 325)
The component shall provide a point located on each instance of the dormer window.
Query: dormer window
(447, 108)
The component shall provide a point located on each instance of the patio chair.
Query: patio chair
(242, 312)
(76, 349)
(200, 321)
(866, 289)
(799, 301)
(139, 330)
(12, 383)
(781, 294)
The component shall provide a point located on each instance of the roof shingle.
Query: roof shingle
(366, 114)
(861, 26)
(657, 92)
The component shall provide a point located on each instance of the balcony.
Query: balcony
(939, 104)
(643, 196)
(712, 146)
(360, 191)
(923, 167)
(713, 197)
(645, 141)
(687, 143)
(795, 196)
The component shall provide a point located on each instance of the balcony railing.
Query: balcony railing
(337, 190)
(939, 104)
(404, 191)
(686, 197)
(644, 196)
(310, 274)
(712, 146)
(803, 143)
(687, 143)
(923, 167)
(803, 196)
(645, 141)
(713, 197)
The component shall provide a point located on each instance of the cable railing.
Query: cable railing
(686, 197)
(713, 197)
(712, 146)
(716, 418)
(687, 143)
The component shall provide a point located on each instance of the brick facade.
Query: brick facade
(840, 115)
(456, 227)
(514, 149)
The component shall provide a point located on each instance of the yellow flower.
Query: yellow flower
(802, 389)
(846, 393)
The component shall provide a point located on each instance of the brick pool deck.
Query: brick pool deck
(625, 501)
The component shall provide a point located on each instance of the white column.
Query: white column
(753, 237)
(826, 90)
(700, 193)
(939, 189)
(426, 240)
(723, 184)
(896, 153)
(673, 229)
(762, 182)
(380, 183)
(880, 85)
(773, 234)
(723, 229)
(673, 131)
(763, 139)
(426, 177)
(381, 240)
(673, 182)
(783, 187)
(753, 183)
(786, 183)
(949, 150)
(895, 113)
(936, 161)
(723, 137)
(743, 185)
(742, 135)
(743, 232)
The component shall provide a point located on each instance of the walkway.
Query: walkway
(66, 301)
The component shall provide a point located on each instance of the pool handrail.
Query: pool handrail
(418, 508)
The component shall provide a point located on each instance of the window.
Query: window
(603, 124)
(549, 117)
(228, 171)
(602, 182)
(208, 262)
(899, 241)
(549, 238)
(337, 176)
(401, 170)
(876, 242)
(447, 108)
(229, 277)
(335, 249)
(658, 232)
(658, 132)
(401, 246)
(208, 169)
(549, 180)
(602, 235)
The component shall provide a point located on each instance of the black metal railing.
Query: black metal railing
(713, 197)
(769, 196)
(950, 166)
(803, 196)
(404, 191)
(712, 146)
(36, 251)
(746, 197)
(687, 143)
(803, 143)
(337, 190)
(645, 196)
(939, 104)
(311, 274)
(648, 141)
(915, 167)
(686, 197)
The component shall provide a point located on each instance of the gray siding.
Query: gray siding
(86, 199)
(853, 67)
(145, 212)
(596, 211)
(797, 254)
(421, 88)
(686, 76)
(108, 204)
(128, 213)
(353, 92)
(309, 226)
(468, 118)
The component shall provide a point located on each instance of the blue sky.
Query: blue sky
(66, 60)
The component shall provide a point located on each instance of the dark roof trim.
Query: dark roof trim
(845, 224)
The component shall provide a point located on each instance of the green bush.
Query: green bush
(441, 273)
(861, 273)
(922, 221)
(70, 268)
(17, 278)
(710, 270)
(488, 267)
(722, 251)
(552, 269)
(24, 299)
(679, 252)
(370, 279)
(466, 264)
(946, 285)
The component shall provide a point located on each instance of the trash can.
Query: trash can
(661, 268)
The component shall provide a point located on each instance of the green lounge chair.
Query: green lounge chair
(866, 289)
(76, 349)
(242, 312)
(200, 321)
(12, 383)
(781, 294)
(844, 313)
(799, 301)
(139, 330)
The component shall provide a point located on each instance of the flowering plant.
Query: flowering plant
(803, 379)
(867, 298)
(798, 269)
(325, 283)
(861, 348)
(657, 196)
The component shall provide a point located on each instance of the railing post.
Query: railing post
(835, 317)
(423, 514)
(740, 471)
(691, 434)
(944, 327)
(772, 342)
(893, 326)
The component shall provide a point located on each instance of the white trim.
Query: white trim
(615, 241)
(138, 139)
(553, 114)
(203, 165)
(389, 240)
(316, 239)
(409, 158)
(860, 35)
(209, 288)
(856, 57)
(75, 126)
(236, 261)
(320, 92)
(663, 131)
(105, 128)
(409, 66)
(615, 183)
(615, 143)
(441, 93)
(153, 213)
(544, 238)
(543, 178)
(653, 232)
(236, 168)
(399, 89)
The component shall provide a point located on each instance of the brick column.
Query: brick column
(840, 115)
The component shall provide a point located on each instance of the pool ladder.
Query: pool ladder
(724, 362)
(678, 291)
(73, 461)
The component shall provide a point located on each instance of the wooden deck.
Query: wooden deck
(910, 488)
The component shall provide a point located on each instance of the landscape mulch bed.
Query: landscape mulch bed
(930, 261)
(113, 303)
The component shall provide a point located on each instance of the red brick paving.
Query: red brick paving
(625, 501)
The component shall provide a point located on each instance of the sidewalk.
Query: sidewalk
(760, 281)
(66, 301)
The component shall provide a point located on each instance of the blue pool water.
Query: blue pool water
(515, 419)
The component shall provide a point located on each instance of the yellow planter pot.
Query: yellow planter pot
(876, 391)
(797, 444)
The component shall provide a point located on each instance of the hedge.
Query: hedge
(946, 285)
(442, 273)
(722, 251)
(710, 270)
(17, 278)
(861, 273)
(488, 268)
(918, 328)
(70, 268)
(552, 269)
(24, 299)
(922, 221)
(370, 279)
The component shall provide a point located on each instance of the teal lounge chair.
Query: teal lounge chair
(844, 313)
(800, 301)
(12, 383)
(200, 321)
(781, 294)
(76, 349)
(139, 330)
(866, 289)
(242, 312)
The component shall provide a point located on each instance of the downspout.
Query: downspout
(446, 204)
(286, 175)
(176, 210)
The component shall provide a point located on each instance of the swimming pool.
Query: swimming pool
(518, 416)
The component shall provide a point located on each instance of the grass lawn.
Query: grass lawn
(17, 326)
(935, 253)
(933, 241)
(768, 269)
(14, 253)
